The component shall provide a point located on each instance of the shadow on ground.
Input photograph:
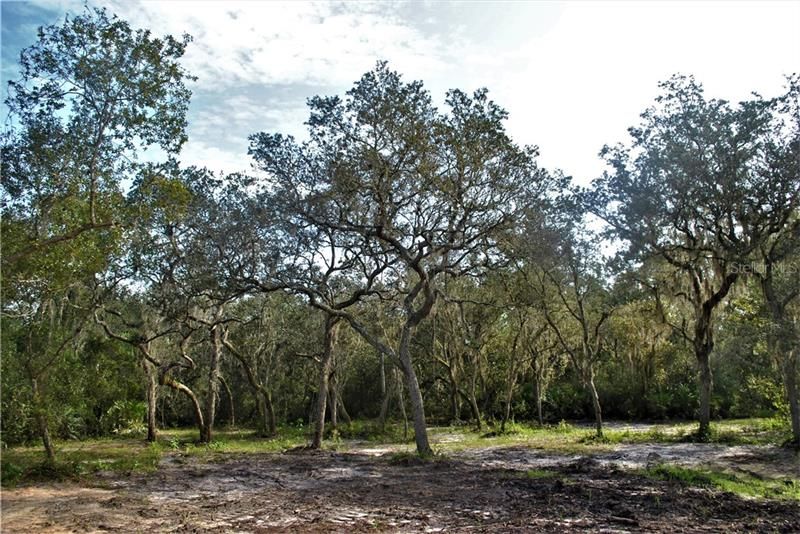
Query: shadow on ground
(355, 492)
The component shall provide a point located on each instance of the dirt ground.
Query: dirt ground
(364, 490)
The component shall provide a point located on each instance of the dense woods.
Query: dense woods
(402, 262)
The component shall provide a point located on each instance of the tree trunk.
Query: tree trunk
(384, 395)
(474, 409)
(598, 412)
(703, 347)
(151, 373)
(198, 411)
(261, 409)
(333, 405)
(782, 344)
(790, 384)
(402, 402)
(706, 384)
(507, 412)
(473, 398)
(267, 425)
(231, 407)
(414, 394)
(213, 385)
(41, 421)
(272, 422)
(455, 404)
(331, 327)
(343, 410)
(538, 391)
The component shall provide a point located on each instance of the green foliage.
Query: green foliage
(78, 460)
(125, 418)
(741, 484)
(416, 199)
(759, 396)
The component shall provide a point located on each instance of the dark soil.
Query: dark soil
(353, 492)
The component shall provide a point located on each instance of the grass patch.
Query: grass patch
(408, 458)
(563, 438)
(232, 441)
(78, 459)
(740, 484)
(125, 454)
(368, 430)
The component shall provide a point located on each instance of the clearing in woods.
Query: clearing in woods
(367, 487)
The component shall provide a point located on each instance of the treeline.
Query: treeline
(402, 262)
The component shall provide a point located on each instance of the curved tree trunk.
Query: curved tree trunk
(704, 344)
(414, 394)
(198, 411)
(267, 426)
(598, 412)
(343, 409)
(331, 327)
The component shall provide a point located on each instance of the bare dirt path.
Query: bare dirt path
(483, 490)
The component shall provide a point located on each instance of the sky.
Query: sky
(572, 75)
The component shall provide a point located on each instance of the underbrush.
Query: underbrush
(126, 454)
(371, 431)
(740, 484)
(75, 460)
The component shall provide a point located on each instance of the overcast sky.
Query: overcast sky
(573, 75)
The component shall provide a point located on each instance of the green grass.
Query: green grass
(412, 458)
(392, 432)
(562, 438)
(81, 458)
(740, 484)
(78, 459)
(185, 441)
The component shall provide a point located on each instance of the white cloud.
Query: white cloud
(286, 42)
(573, 75)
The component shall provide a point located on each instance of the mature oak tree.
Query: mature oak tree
(698, 187)
(430, 192)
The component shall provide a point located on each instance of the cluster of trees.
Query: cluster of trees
(402, 257)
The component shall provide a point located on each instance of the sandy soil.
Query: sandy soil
(482, 490)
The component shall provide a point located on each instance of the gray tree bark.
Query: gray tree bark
(331, 328)
(151, 374)
(213, 385)
(40, 411)
(414, 394)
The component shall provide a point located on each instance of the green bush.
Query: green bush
(759, 397)
(125, 418)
